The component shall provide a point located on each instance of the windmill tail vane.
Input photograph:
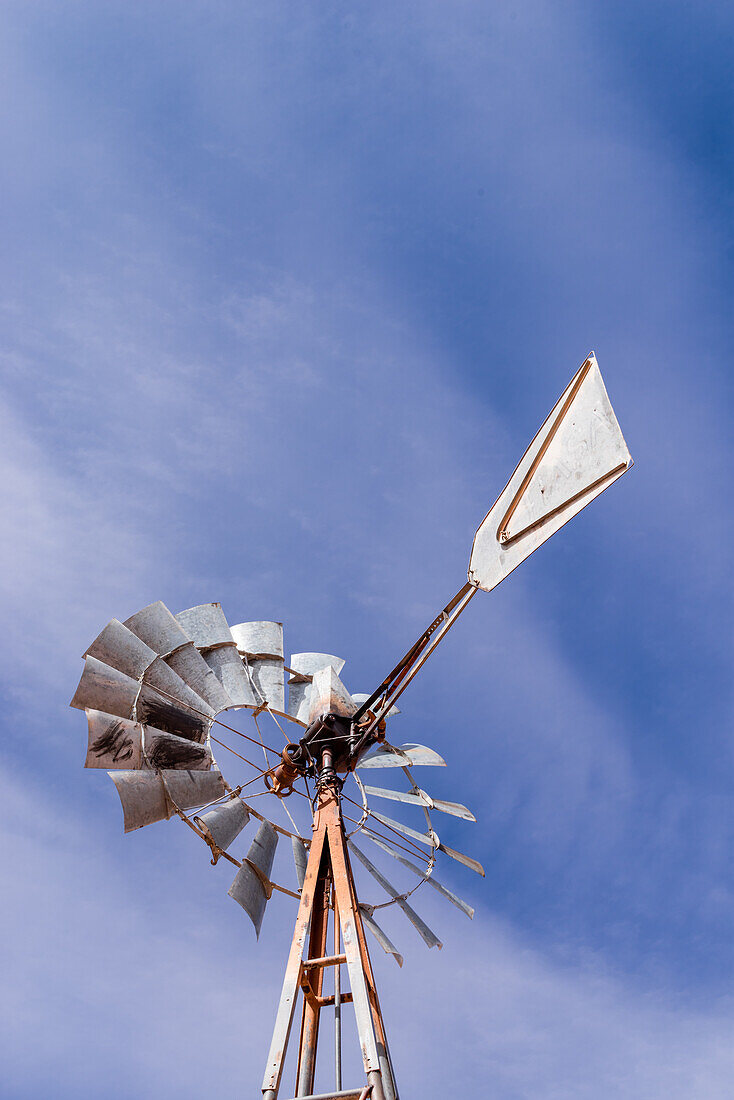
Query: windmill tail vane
(155, 686)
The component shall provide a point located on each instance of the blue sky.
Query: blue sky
(287, 289)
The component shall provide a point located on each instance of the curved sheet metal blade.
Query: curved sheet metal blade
(302, 668)
(114, 742)
(401, 756)
(121, 649)
(158, 628)
(427, 839)
(172, 688)
(419, 798)
(455, 809)
(362, 697)
(206, 625)
(268, 679)
(421, 927)
(578, 452)
(189, 664)
(248, 889)
(384, 756)
(300, 858)
(157, 710)
(384, 941)
(143, 798)
(165, 751)
(305, 665)
(226, 664)
(457, 901)
(149, 796)
(107, 689)
(188, 789)
(259, 640)
(467, 861)
(224, 823)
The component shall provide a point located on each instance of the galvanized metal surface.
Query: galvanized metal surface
(165, 751)
(429, 937)
(173, 689)
(206, 625)
(250, 887)
(302, 668)
(189, 789)
(224, 823)
(401, 756)
(418, 797)
(431, 840)
(329, 695)
(362, 697)
(307, 664)
(143, 798)
(105, 688)
(430, 879)
(382, 938)
(121, 649)
(113, 742)
(226, 664)
(189, 664)
(268, 677)
(299, 701)
(300, 859)
(259, 639)
(578, 452)
(153, 708)
(157, 627)
(149, 796)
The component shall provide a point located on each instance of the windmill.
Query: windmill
(155, 686)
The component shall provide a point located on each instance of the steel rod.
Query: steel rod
(337, 1000)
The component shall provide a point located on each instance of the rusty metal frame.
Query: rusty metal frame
(329, 884)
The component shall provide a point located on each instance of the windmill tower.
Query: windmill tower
(154, 689)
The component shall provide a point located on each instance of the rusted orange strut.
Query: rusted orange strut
(329, 870)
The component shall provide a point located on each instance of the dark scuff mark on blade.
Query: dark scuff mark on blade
(171, 719)
(167, 755)
(115, 741)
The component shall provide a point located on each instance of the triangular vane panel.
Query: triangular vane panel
(578, 452)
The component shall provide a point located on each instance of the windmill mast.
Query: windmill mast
(329, 886)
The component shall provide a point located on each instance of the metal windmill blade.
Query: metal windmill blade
(155, 688)
(302, 669)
